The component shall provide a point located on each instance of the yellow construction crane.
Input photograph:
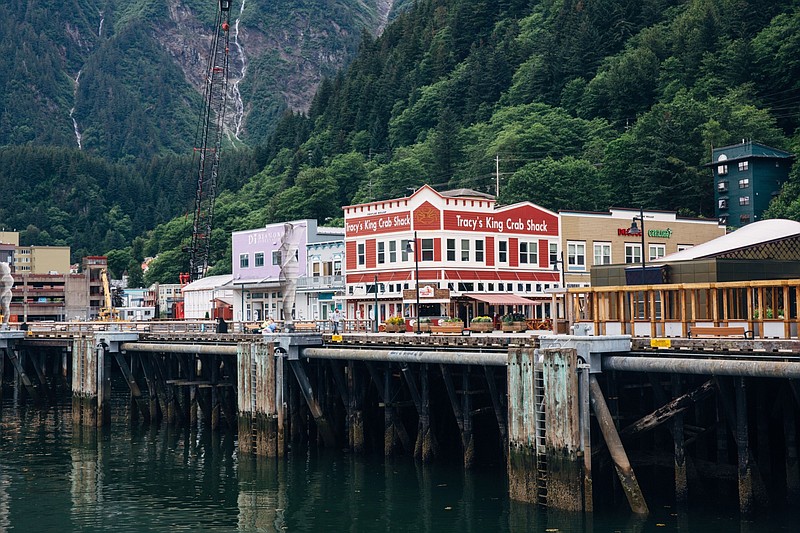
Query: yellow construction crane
(108, 312)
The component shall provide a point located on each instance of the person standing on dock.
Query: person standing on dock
(337, 317)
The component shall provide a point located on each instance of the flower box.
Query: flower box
(394, 328)
(481, 327)
(512, 327)
(448, 328)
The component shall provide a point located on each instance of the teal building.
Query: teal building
(747, 177)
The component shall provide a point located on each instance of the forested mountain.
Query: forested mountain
(584, 104)
(122, 79)
(581, 104)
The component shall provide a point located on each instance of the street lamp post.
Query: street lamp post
(556, 264)
(636, 230)
(416, 273)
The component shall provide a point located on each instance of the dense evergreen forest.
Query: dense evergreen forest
(586, 104)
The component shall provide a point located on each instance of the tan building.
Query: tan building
(43, 259)
(33, 259)
(9, 237)
(589, 239)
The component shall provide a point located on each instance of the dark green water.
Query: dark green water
(120, 480)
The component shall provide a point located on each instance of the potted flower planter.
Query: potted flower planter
(514, 327)
(481, 327)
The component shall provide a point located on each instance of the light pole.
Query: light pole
(416, 273)
(377, 316)
(635, 230)
(556, 264)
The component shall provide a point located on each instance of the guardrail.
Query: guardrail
(183, 326)
(768, 308)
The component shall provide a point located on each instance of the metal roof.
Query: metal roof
(209, 282)
(757, 233)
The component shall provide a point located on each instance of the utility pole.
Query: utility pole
(496, 176)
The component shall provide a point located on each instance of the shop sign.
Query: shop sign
(655, 233)
(527, 220)
(378, 224)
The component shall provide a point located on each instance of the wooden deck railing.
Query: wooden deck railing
(768, 308)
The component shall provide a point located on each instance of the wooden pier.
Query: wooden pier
(573, 418)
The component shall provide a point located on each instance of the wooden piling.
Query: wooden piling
(355, 409)
(743, 450)
(522, 475)
(681, 483)
(256, 407)
(623, 467)
(790, 437)
(84, 383)
(562, 430)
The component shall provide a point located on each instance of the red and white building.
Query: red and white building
(473, 257)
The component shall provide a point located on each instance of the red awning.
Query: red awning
(500, 299)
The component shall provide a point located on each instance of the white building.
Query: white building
(199, 296)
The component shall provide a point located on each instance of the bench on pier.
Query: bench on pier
(305, 326)
(720, 331)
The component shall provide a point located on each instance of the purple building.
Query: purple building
(256, 256)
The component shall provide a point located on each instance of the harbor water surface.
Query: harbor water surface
(56, 478)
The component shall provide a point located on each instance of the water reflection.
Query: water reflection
(54, 477)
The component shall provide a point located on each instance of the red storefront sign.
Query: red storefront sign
(377, 224)
(524, 219)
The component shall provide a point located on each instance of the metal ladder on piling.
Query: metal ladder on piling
(540, 441)
(253, 400)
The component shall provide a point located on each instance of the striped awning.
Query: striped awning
(500, 299)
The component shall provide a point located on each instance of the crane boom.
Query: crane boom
(207, 150)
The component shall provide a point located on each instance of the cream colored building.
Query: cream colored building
(9, 237)
(604, 238)
(41, 259)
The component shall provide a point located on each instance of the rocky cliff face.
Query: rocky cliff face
(124, 78)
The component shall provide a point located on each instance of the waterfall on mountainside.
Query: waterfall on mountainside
(238, 117)
(72, 112)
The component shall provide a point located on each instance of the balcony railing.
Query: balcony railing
(320, 282)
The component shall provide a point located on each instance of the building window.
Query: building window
(529, 253)
(722, 186)
(744, 219)
(723, 220)
(744, 183)
(502, 251)
(682, 247)
(465, 249)
(722, 170)
(723, 203)
(392, 251)
(479, 251)
(337, 268)
(451, 249)
(553, 253)
(427, 250)
(315, 269)
(362, 254)
(381, 252)
(259, 259)
(656, 251)
(244, 260)
(576, 256)
(602, 253)
(633, 253)
(744, 165)
(404, 253)
(744, 200)
(276, 257)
